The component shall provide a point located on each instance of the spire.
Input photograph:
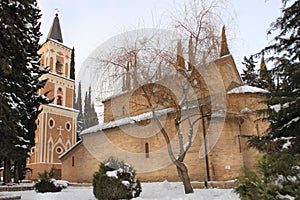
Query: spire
(180, 59)
(55, 31)
(224, 46)
(263, 68)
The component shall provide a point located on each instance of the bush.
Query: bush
(115, 180)
(47, 183)
(44, 186)
(277, 177)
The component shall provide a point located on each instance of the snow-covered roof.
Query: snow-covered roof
(247, 89)
(125, 121)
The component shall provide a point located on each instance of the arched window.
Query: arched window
(147, 150)
(51, 64)
(59, 100)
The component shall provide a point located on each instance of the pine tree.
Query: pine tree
(20, 78)
(78, 106)
(284, 102)
(249, 75)
(86, 111)
(281, 143)
(90, 116)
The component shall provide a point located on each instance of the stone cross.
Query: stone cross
(60, 129)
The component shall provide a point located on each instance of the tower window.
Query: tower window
(68, 126)
(58, 150)
(51, 123)
(59, 100)
(147, 150)
(59, 65)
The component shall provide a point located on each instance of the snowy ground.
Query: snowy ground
(151, 191)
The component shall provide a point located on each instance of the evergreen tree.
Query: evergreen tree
(249, 75)
(90, 116)
(86, 111)
(20, 79)
(284, 102)
(78, 106)
(72, 64)
(281, 143)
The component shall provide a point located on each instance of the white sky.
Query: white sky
(86, 24)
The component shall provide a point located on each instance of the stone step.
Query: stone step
(16, 188)
(10, 197)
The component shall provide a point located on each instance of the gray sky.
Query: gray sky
(86, 24)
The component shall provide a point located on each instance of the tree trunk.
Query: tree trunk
(6, 171)
(185, 178)
(16, 172)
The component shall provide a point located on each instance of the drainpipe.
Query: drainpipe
(205, 147)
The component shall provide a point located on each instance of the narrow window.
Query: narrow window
(73, 161)
(59, 100)
(124, 110)
(147, 149)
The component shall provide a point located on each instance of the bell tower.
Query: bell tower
(56, 125)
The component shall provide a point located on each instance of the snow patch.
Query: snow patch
(113, 174)
(125, 121)
(247, 89)
(172, 191)
(60, 183)
(245, 110)
(288, 143)
(218, 114)
(126, 183)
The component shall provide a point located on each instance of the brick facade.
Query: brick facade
(227, 152)
(56, 124)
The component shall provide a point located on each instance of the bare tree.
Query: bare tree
(200, 21)
(142, 66)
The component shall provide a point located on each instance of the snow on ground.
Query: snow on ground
(151, 191)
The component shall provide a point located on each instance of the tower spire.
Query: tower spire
(224, 46)
(55, 30)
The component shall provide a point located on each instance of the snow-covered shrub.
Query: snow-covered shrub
(47, 183)
(115, 180)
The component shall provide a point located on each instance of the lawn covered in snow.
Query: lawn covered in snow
(159, 191)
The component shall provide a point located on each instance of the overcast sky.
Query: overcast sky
(86, 24)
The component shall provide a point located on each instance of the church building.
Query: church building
(56, 124)
(219, 148)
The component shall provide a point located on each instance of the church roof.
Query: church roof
(55, 30)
